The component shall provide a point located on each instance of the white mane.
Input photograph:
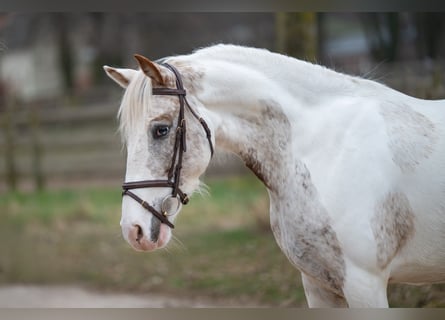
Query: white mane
(312, 79)
(135, 104)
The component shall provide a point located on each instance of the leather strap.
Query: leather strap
(148, 207)
(168, 92)
(154, 184)
(180, 146)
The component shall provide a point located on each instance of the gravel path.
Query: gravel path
(24, 296)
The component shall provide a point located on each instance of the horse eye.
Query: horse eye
(160, 131)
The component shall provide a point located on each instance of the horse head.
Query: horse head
(167, 143)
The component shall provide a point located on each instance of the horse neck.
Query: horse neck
(255, 111)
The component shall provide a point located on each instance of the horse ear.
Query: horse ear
(121, 76)
(150, 69)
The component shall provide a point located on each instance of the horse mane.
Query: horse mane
(135, 104)
(137, 97)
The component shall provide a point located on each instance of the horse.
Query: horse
(355, 170)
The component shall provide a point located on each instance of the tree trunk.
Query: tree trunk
(36, 148)
(8, 126)
(297, 35)
(382, 34)
(66, 57)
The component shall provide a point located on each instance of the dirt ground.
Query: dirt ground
(25, 296)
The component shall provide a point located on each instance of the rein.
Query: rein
(180, 146)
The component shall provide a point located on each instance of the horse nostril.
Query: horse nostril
(139, 233)
(137, 238)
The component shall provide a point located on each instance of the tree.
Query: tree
(382, 34)
(61, 23)
(297, 34)
(429, 33)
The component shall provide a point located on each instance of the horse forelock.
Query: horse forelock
(137, 99)
(135, 105)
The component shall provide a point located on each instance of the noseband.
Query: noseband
(174, 173)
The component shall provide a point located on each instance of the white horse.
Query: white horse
(355, 170)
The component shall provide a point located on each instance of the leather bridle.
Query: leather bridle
(180, 146)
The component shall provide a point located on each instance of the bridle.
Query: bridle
(180, 146)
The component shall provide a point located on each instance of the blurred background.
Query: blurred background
(62, 163)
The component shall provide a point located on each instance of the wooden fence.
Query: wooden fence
(45, 144)
(62, 144)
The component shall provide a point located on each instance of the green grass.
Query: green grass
(48, 207)
(223, 247)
